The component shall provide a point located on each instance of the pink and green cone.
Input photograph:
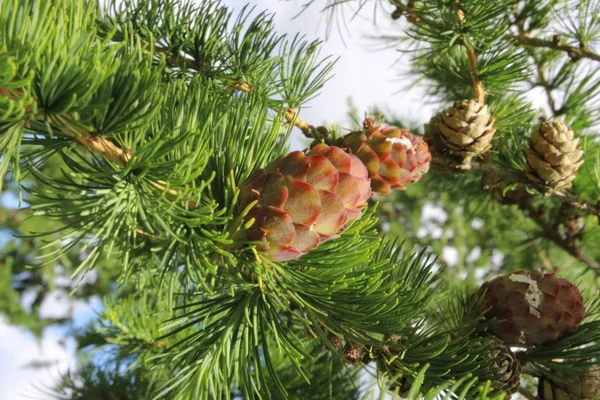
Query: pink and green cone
(394, 157)
(304, 199)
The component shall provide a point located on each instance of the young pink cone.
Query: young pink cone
(304, 199)
(394, 157)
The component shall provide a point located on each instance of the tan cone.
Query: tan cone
(553, 155)
(578, 387)
(507, 369)
(465, 128)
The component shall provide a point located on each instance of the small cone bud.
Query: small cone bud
(507, 369)
(353, 353)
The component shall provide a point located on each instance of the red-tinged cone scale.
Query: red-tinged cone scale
(304, 199)
(394, 157)
(531, 308)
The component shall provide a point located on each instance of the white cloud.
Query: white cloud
(19, 348)
(55, 305)
(363, 72)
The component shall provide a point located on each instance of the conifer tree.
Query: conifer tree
(149, 140)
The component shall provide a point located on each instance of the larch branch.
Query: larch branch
(448, 163)
(576, 53)
(472, 62)
(549, 232)
(544, 261)
(541, 73)
(445, 162)
(292, 117)
(415, 18)
(312, 132)
(96, 144)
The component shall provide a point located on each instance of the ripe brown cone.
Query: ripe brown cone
(394, 157)
(304, 199)
(531, 307)
(553, 155)
(465, 128)
(574, 387)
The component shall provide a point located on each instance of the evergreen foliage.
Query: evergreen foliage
(128, 126)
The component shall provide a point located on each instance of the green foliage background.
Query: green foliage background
(192, 99)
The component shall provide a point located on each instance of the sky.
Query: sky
(366, 76)
(363, 74)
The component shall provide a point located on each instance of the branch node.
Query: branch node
(312, 132)
(472, 61)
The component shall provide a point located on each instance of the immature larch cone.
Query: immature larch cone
(531, 307)
(574, 387)
(394, 157)
(304, 198)
(465, 128)
(507, 369)
(553, 155)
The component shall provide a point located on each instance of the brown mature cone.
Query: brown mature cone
(553, 155)
(304, 199)
(586, 387)
(507, 369)
(394, 157)
(531, 307)
(465, 128)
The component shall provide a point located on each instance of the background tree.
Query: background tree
(145, 135)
